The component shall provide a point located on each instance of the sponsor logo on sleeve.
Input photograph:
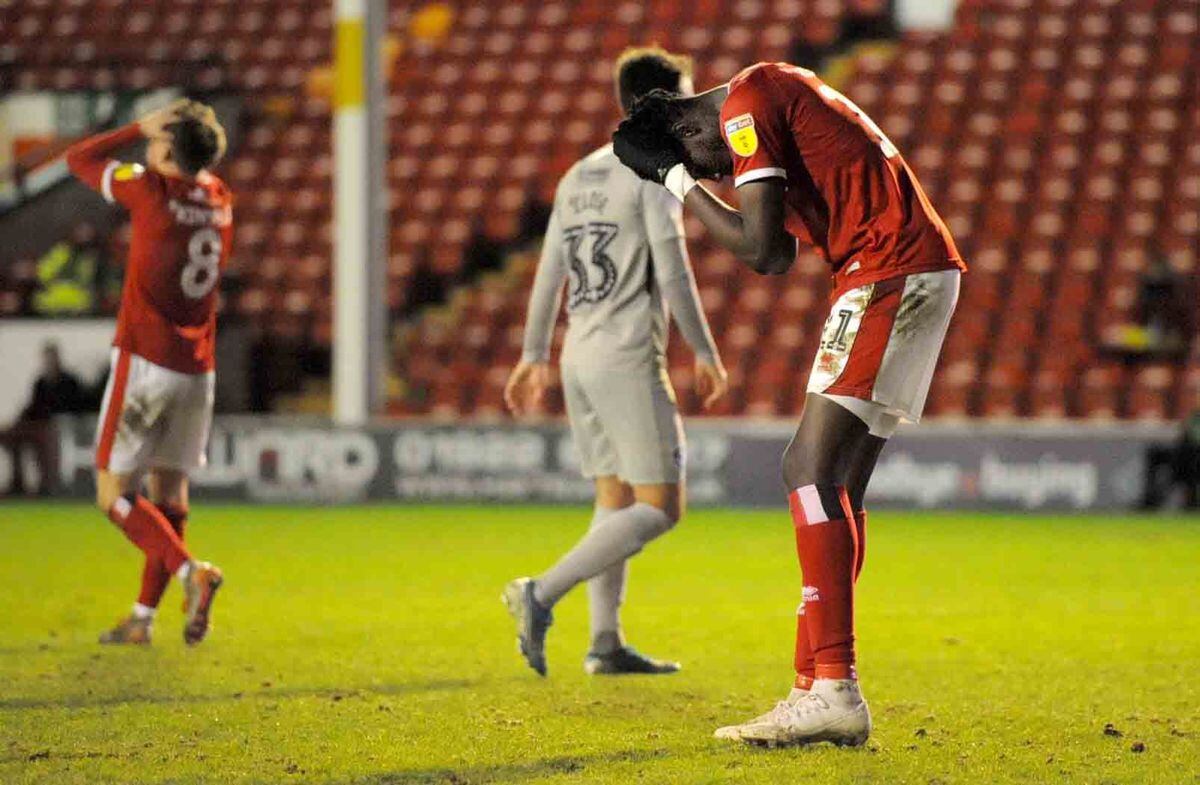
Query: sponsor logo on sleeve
(126, 172)
(740, 133)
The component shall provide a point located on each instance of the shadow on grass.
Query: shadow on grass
(576, 765)
(269, 693)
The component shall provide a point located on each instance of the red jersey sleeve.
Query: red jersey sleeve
(91, 161)
(755, 127)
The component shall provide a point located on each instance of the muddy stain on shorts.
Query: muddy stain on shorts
(913, 307)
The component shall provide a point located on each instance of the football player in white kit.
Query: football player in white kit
(618, 243)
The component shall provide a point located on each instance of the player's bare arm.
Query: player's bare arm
(755, 234)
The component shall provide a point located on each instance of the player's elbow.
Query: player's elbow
(769, 261)
(770, 255)
(79, 162)
(778, 263)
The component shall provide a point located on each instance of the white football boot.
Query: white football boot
(833, 710)
(733, 732)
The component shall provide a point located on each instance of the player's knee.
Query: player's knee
(796, 467)
(657, 523)
(671, 510)
(666, 498)
(612, 493)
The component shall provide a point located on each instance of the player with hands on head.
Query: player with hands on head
(617, 244)
(157, 408)
(809, 166)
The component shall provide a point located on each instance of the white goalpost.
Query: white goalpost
(359, 212)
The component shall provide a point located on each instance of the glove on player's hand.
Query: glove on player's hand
(644, 142)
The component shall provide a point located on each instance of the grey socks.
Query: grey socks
(606, 593)
(613, 537)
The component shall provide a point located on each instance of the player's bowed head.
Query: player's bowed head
(185, 138)
(665, 128)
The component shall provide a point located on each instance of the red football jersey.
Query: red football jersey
(849, 192)
(182, 229)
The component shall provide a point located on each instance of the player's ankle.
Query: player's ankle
(143, 612)
(540, 599)
(606, 642)
(835, 671)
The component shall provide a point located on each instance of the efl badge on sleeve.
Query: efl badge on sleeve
(126, 172)
(740, 133)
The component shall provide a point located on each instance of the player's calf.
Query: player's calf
(621, 535)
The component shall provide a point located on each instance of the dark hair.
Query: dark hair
(197, 142)
(641, 69)
(660, 109)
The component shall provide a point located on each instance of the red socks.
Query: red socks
(149, 530)
(860, 529)
(829, 544)
(155, 576)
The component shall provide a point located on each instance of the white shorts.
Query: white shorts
(624, 423)
(880, 347)
(153, 417)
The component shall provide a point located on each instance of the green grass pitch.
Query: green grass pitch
(368, 645)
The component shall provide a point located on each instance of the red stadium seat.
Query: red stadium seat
(1058, 142)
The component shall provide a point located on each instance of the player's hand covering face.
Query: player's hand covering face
(656, 136)
(644, 143)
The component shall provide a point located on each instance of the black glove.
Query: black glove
(644, 144)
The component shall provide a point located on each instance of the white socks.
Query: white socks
(141, 612)
(623, 533)
(842, 693)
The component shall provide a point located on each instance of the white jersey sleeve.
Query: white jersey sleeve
(663, 217)
(546, 297)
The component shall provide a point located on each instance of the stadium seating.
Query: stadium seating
(1061, 147)
(1059, 138)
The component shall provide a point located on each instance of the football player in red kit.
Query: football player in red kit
(809, 165)
(157, 408)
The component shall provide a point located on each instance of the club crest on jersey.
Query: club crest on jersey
(126, 172)
(740, 133)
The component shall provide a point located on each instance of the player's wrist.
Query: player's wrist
(679, 182)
